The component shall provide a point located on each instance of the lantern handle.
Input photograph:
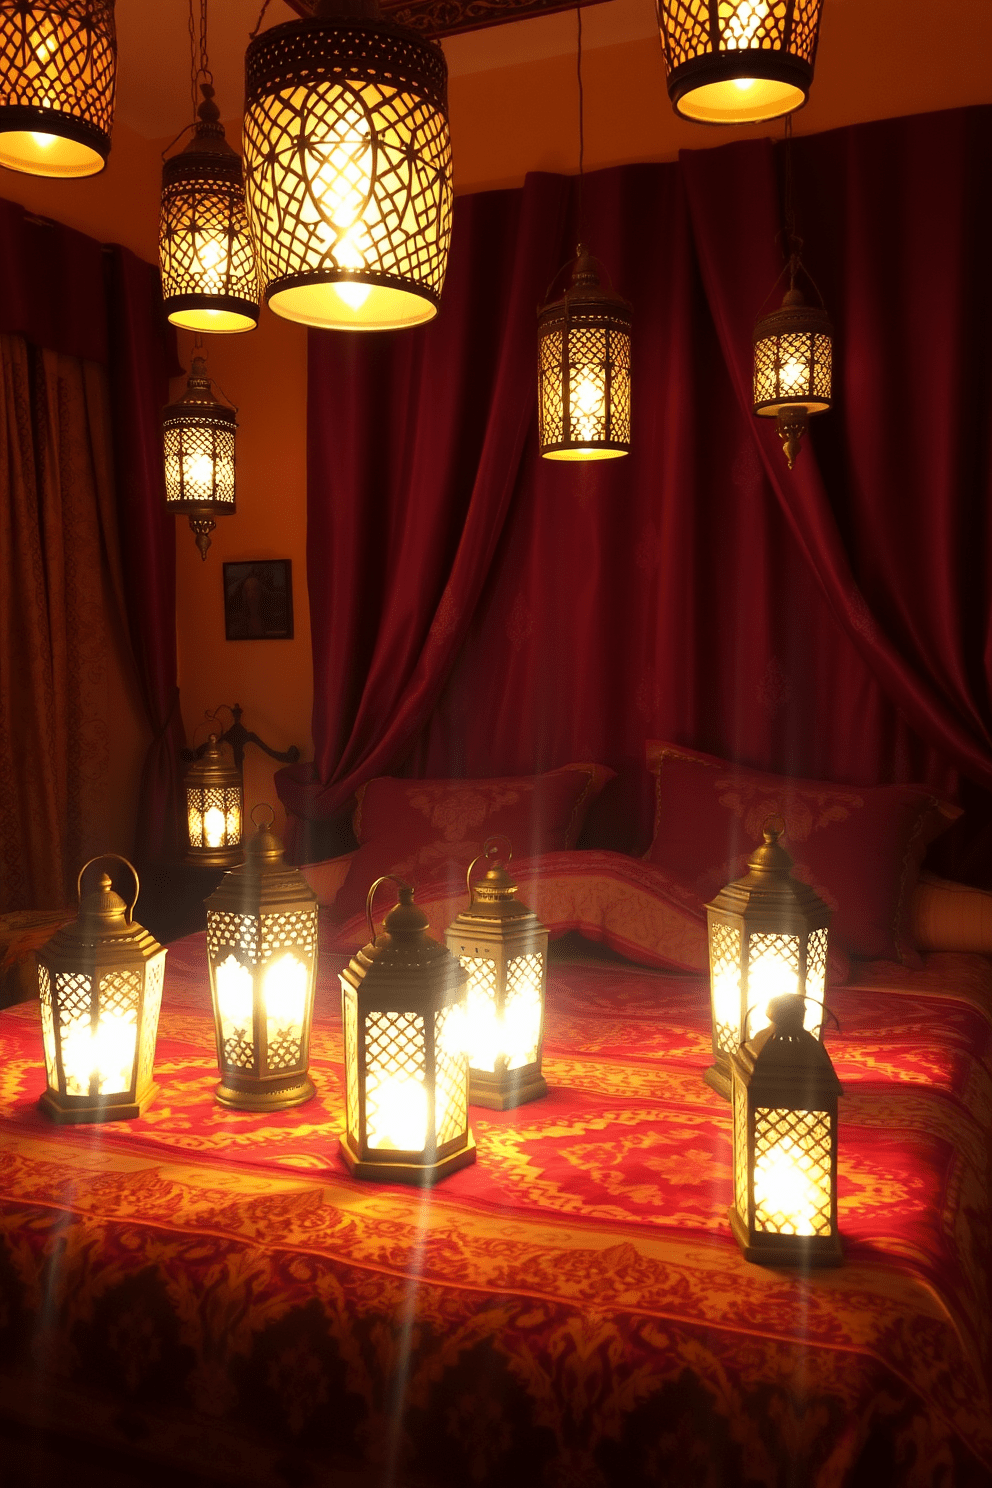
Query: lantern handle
(119, 858)
(258, 806)
(386, 878)
(489, 842)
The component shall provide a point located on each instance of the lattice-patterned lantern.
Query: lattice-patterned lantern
(58, 78)
(214, 808)
(583, 370)
(793, 357)
(100, 981)
(785, 1094)
(262, 953)
(348, 168)
(504, 948)
(209, 278)
(739, 61)
(767, 937)
(198, 434)
(406, 1072)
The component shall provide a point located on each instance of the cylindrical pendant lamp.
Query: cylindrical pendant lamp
(583, 370)
(198, 433)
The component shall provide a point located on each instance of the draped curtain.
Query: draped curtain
(831, 622)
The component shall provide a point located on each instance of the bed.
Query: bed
(209, 1287)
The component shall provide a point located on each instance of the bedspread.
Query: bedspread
(211, 1286)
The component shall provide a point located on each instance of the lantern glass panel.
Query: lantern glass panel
(205, 251)
(591, 359)
(396, 1104)
(213, 815)
(725, 981)
(199, 462)
(795, 367)
(792, 1169)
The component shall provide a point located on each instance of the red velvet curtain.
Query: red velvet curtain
(833, 622)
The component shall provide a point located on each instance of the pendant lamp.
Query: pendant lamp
(58, 78)
(198, 433)
(739, 61)
(209, 278)
(348, 168)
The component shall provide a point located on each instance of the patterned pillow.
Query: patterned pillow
(860, 849)
(431, 829)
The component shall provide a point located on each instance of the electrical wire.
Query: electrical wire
(582, 131)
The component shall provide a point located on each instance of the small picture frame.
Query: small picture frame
(258, 600)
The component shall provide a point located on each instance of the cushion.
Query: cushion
(326, 878)
(23, 932)
(860, 849)
(422, 829)
(950, 916)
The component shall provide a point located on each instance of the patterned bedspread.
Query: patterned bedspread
(209, 1286)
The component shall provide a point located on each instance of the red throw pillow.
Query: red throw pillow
(860, 849)
(430, 829)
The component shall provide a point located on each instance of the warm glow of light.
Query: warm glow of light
(397, 1111)
(354, 295)
(770, 974)
(235, 1000)
(210, 263)
(44, 141)
(198, 470)
(492, 1039)
(793, 378)
(726, 985)
(100, 1058)
(789, 1189)
(285, 982)
(744, 85)
(233, 823)
(213, 827)
(742, 27)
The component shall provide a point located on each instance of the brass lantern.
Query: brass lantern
(739, 61)
(214, 808)
(262, 953)
(198, 433)
(504, 948)
(583, 370)
(348, 168)
(406, 1073)
(100, 982)
(58, 78)
(785, 1092)
(767, 937)
(793, 356)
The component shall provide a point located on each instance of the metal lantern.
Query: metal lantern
(504, 948)
(209, 278)
(214, 808)
(348, 168)
(583, 370)
(406, 1073)
(785, 1094)
(262, 953)
(58, 78)
(739, 61)
(767, 937)
(100, 982)
(793, 355)
(198, 434)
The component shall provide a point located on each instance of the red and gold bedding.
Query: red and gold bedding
(204, 1285)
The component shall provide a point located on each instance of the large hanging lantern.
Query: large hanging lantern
(262, 954)
(793, 356)
(214, 808)
(406, 1073)
(58, 78)
(348, 168)
(583, 370)
(100, 982)
(767, 937)
(209, 278)
(739, 61)
(785, 1094)
(198, 434)
(504, 948)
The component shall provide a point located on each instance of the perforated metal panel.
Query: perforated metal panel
(351, 1063)
(691, 29)
(205, 246)
(522, 1006)
(61, 57)
(451, 1089)
(725, 982)
(395, 1064)
(223, 829)
(154, 980)
(740, 1150)
(48, 1026)
(584, 378)
(792, 1151)
(793, 368)
(199, 462)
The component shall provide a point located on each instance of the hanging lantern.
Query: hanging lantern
(199, 456)
(785, 1094)
(262, 953)
(214, 808)
(793, 354)
(348, 168)
(209, 279)
(767, 937)
(100, 982)
(504, 948)
(58, 77)
(583, 370)
(739, 61)
(406, 1074)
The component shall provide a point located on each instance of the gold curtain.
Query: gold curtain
(70, 730)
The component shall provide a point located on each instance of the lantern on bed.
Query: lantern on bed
(262, 953)
(785, 1092)
(504, 948)
(406, 1073)
(767, 936)
(100, 983)
(214, 808)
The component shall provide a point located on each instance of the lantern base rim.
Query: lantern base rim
(420, 1175)
(316, 297)
(585, 451)
(719, 1080)
(85, 1110)
(266, 1100)
(503, 1092)
(216, 857)
(804, 1251)
(84, 147)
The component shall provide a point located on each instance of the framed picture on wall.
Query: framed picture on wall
(258, 600)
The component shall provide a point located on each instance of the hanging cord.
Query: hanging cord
(582, 122)
(261, 18)
(793, 243)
